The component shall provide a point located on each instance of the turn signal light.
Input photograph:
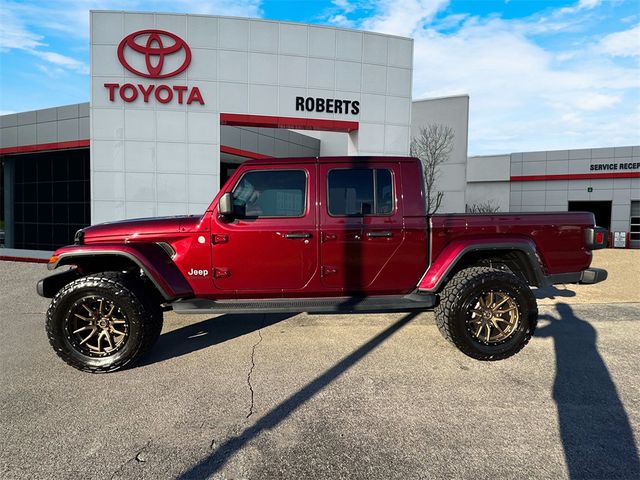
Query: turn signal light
(53, 259)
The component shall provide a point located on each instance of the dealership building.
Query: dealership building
(178, 101)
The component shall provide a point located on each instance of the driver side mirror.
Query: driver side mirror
(225, 204)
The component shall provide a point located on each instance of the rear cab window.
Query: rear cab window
(357, 192)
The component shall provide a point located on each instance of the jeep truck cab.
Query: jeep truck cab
(337, 234)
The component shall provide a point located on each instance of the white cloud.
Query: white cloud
(588, 4)
(581, 5)
(344, 5)
(622, 44)
(522, 95)
(13, 33)
(341, 20)
(402, 17)
(62, 61)
(597, 101)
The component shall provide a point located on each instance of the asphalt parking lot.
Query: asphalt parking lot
(326, 396)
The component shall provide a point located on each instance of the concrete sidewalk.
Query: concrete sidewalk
(621, 285)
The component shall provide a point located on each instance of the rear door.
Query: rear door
(271, 242)
(361, 224)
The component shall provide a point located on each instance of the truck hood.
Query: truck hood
(139, 227)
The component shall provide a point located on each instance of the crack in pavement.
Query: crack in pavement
(135, 458)
(253, 364)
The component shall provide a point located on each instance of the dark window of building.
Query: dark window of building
(601, 211)
(360, 191)
(273, 193)
(51, 198)
(226, 170)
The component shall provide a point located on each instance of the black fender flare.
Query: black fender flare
(440, 269)
(152, 259)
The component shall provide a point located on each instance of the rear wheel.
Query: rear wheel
(489, 314)
(103, 322)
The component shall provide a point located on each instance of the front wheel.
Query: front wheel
(102, 322)
(489, 314)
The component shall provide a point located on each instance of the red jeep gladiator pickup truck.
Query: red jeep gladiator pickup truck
(343, 234)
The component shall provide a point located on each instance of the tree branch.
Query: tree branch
(433, 146)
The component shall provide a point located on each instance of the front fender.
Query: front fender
(151, 258)
(441, 267)
(49, 286)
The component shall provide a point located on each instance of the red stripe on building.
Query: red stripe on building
(293, 123)
(243, 153)
(41, 147)
(573, 176)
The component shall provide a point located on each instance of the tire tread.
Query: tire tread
(456, 289)
(121, 285)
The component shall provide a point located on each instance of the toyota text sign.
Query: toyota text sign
(154, 54)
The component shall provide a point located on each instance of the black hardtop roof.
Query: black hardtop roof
(340, 159)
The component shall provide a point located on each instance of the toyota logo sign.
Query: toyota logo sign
(154, 51)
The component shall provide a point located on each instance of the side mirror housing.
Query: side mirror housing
(225, 204)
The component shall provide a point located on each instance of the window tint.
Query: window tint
(360, 191)
(272, 193)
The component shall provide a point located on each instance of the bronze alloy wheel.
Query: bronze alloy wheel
(96, 327)
(493, 317)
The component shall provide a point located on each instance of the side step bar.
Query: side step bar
(378, 304)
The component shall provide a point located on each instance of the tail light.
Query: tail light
(596, 238)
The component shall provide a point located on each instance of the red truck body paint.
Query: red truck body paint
(342, 255)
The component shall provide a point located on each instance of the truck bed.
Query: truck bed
(559, 237)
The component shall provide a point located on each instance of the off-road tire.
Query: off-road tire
(128, 293)
(452, 312)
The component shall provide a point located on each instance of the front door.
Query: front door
(362, 227)
(271, 241)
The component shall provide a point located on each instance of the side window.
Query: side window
(384, 192)
(270, 193)
(360, 191)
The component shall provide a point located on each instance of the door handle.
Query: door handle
(295, 235)
(379, 234)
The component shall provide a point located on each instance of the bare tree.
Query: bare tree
(432, 145)
(482, 207)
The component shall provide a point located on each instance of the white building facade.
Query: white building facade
(605, 181)
(162, 85)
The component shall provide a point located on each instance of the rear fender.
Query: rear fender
(149, 257)
(454, 253)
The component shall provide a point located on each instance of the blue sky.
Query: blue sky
(540, 74)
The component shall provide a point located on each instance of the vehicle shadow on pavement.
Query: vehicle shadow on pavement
(197, 336)
(596, 433)
(215, 461)
(553, 292)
